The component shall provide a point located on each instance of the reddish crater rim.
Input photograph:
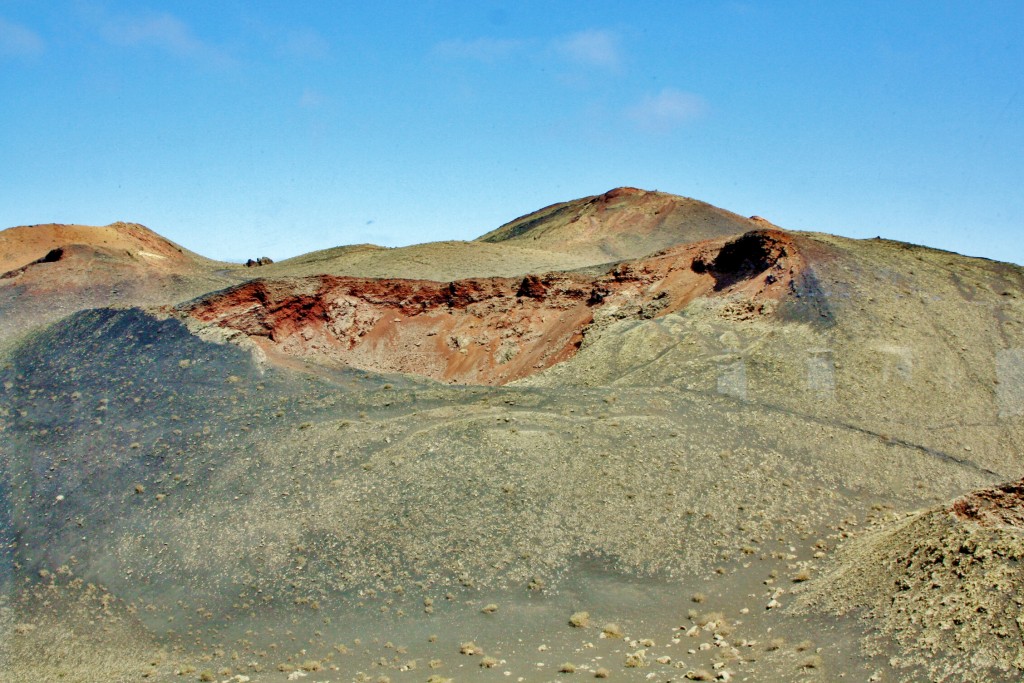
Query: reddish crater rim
(491, 330)
(1000, 506)
(623, 192)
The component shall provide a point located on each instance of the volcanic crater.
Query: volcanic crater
(744, 451)
(493, 330)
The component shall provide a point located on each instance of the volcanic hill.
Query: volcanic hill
(702, 447)
(621, 224)
(495, 330)
(22, 246)
(49, 271)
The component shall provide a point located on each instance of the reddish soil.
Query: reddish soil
(50, 271)
(24, 246)
(1002, 505)
(494, 330)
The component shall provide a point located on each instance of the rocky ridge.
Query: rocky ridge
(493, 331)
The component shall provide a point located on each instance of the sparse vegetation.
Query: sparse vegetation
(612, 630)
(579, 619)
(811, 662)
(636, 660)
(710, 619)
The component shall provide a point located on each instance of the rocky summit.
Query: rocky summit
(631, 436)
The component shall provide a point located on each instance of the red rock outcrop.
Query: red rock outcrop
(494, 330)
(1002, 505)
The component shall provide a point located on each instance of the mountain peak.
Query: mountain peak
(23, 245)
(622, 223)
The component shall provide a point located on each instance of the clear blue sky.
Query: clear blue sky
(247, 128)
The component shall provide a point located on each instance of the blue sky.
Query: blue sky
(241, 129)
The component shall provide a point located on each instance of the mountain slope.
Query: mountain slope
(74, 267)
(20, 246)
(621, 224)
(495, 330)
(438, 261)
(944, 583)
(266, 480)
(230, 506)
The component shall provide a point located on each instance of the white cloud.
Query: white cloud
(592, 48)
(480, 49)
(163, 31)
(17, 40)
(667, 110)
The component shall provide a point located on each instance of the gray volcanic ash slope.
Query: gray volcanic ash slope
(188, 493)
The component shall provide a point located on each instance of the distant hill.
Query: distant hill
(22, 245)
(74, 267)
(620, 224)
(438, 261)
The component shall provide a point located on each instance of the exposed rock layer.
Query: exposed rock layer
(492, 330)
